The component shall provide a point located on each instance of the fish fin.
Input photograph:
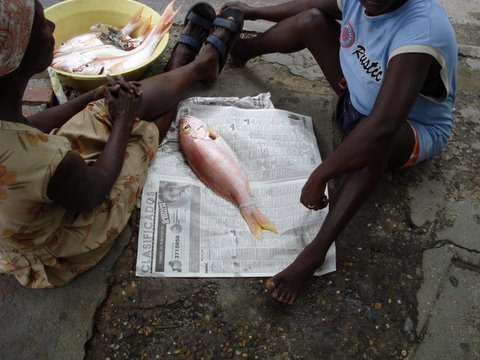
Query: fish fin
(137, 15)
(163, 25)
(134, 23)
(145, 28)
(212, 133)
(168, 16)
(256, 221)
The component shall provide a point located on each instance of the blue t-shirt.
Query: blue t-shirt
(369, 42)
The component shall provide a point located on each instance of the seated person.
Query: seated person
(70, 175)
(393, 65)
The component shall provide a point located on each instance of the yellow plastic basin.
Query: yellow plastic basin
(74, 17)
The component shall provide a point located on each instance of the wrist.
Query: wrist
(122, 124)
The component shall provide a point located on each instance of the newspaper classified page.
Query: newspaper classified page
(187, 230)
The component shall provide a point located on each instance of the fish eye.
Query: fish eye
(186, 127)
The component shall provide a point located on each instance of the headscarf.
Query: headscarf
(16, 20)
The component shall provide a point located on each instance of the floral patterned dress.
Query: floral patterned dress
(41, 243)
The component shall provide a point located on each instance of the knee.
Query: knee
(311, 21)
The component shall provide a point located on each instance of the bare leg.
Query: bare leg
(354, 189)
(287, 285)
(162, 92)
(294, 34)
(181, 56)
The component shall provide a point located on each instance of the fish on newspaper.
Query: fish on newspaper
(217, 166)
(109, 59)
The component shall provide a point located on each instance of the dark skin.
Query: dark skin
(75, 185)
(382, 140)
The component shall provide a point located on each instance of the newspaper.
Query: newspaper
(187, 230)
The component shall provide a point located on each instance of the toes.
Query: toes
(292, 299)
(281, 294)
(270, 284)
(286, 297)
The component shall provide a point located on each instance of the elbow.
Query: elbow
(84, 200)
(85, 196)
(88, 203)
(382, 132)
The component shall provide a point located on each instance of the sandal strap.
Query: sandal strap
(198, 20)
(226, 23)
(190, 41)
(218, 43)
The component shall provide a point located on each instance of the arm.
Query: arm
(77, 186)
(56, 116)
(369, 144)
(280, 12)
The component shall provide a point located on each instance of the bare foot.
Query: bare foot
(288, 284)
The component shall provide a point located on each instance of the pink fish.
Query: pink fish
(121, 60)
(71, 61)
(216, 165)
(90, 40)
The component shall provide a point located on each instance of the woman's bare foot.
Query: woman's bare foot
(288, 284)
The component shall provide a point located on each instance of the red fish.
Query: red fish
(216, 166)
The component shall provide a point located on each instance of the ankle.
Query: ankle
(206, 65)
(317, 250)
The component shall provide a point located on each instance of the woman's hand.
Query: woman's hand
(123, 100)
(113, 85)
(313, 193)
(78, 186)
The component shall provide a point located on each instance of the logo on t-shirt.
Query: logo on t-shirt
(372, 68)
(347, 36)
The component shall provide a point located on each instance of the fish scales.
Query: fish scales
(216, 167)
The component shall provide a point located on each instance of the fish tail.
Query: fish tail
(145, 28)
(256, 221)
(134, 23)
(164, 24)
(168, 15)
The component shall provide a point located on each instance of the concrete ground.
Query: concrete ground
(408, 278)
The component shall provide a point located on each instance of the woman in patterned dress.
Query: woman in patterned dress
(70, 175)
